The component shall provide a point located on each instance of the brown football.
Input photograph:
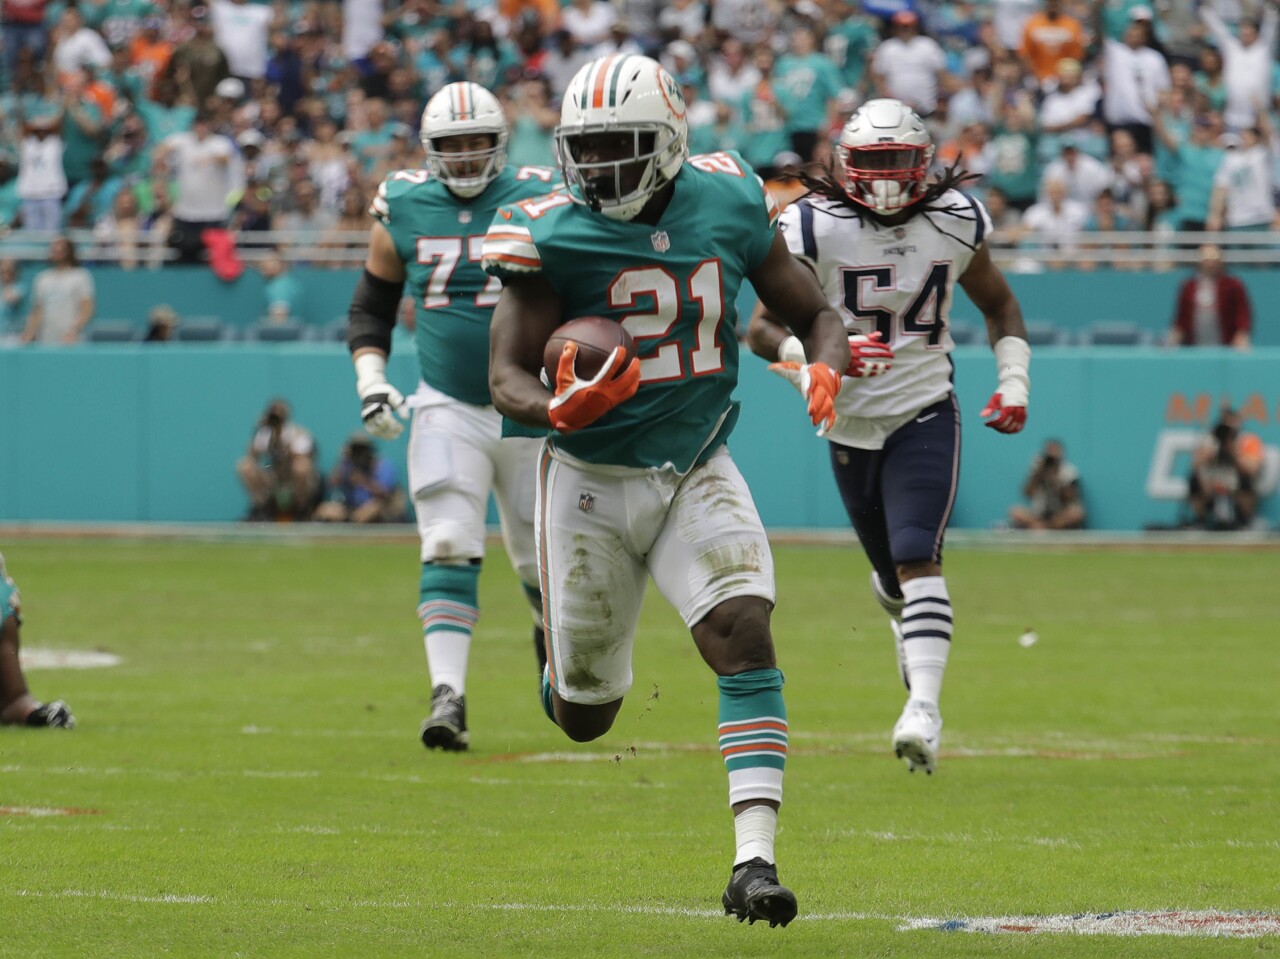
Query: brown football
(596, 337)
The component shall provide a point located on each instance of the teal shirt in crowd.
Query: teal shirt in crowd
(806, 84)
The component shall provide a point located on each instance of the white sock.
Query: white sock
(926, 635)
(447, 651)
(754, 829)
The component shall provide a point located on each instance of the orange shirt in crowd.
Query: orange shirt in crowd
(153, 58)
(1045, 42)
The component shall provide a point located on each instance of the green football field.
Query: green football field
(248, 780)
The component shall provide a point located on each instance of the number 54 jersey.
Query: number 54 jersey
(673, 287)
(895, 279)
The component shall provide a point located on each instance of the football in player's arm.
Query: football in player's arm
(888, 244)
(428, 228)
(636, 456)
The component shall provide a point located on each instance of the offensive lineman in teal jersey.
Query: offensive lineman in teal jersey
(635, 478)
(17, 706)
(429, 230)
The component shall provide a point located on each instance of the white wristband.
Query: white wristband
(1013, 363)
(371, 370)
(791, 350)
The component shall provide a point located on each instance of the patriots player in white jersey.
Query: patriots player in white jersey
(888, 245)
(429, 227)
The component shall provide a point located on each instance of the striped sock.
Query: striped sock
(753, 734)
(448, 610)
(926, 635)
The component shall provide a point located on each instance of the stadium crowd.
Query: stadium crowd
(148, 121)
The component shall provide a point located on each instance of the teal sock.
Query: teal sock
(547, 706)
(753, 734)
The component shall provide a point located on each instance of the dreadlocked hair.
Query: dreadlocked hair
(823, 180)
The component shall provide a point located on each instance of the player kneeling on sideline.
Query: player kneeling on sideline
(635, 479)
(889, 246)
(428, 231)
(17, 706)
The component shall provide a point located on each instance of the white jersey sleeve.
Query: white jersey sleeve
(898, 280)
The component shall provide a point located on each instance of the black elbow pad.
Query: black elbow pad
(372, 314)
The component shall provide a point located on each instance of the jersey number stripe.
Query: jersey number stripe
(442, 253)
(917, 320)
(705, 287)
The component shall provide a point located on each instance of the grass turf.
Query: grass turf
(256, 786)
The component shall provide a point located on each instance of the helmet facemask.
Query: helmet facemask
(466, 173)
(619, 188)
(885, 177)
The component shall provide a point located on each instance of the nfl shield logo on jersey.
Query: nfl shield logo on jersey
(661, 242)
(586, 502)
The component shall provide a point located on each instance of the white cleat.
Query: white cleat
(916, 736)
(891, 605)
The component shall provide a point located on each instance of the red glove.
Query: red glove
(819, 384)
(868, 356)
(580, 402)
(1004, 419)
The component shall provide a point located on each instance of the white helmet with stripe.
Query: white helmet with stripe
(885, 150)
(464, 109)
(622, 95)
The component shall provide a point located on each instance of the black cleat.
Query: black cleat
(755, 893)
(54, 715)
(446, 727)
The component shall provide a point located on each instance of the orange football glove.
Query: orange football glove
(580, 402)
(819, 384)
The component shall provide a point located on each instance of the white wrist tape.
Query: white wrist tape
(791, 350)
(1013, 362)
(371, 370)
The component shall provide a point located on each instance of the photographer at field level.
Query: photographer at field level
(1052, 491)
(1222, 491)
(363, 487)
(279, 470)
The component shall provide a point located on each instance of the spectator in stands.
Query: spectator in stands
(76, 46)
(1108, 217)
(62, 298)
(162, 321)
(732, 76)
(808, 83)
(278, 470)
(209, 174)
(363, 487)
(1248, 60)
(1133, 74)
(1068, 108)
(122, 236)
(1197, 159)
(764, 118)
(13, 301)
(1222, 489)
(565, 58)
(909, 66)
(748, 21)
(1084, 176)
(531, 120)
(22, 25)
(1052, 493)
(1213, 307)
(91, 199)
(1048, 37)
(42, 182)
(1013, 168)
(198, 64)
(683, 19)
(1242, 198)
(241, 30)
(282, 293)
(17, 706)
(1058, 218)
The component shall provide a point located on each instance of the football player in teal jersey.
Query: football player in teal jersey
(429, 227)
(635, 478)
(17, 706)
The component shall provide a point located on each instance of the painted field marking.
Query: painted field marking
(41, 811)
(39, 658)
(169, 899)
(1130, 923)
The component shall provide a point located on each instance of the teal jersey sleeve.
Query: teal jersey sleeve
(438, 236)
(673, 285)
(10, 607)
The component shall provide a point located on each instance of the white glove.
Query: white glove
(380, 402)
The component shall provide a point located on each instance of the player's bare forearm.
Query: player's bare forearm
(990, 293)
(765, 334)
(793, 299)
(527, 313)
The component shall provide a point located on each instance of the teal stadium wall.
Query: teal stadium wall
(139, 433)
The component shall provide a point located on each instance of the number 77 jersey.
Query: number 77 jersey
(898, 280)
(673, 286)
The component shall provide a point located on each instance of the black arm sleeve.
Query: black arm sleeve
(372, 314)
